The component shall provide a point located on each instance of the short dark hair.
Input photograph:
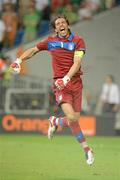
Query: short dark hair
(57, 17)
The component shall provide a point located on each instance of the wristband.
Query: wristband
(19, 61)
(66, 79)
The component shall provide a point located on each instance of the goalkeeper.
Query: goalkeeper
(67, 52)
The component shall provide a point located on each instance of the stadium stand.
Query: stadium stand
(102, 57)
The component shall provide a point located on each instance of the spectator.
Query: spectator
(109, 4)
(61, 8)
(76, 2)
(41, 4)
(19, 34)
(13, 2)
(117, 2)
(30, 22)
(10, 19)
(55, 4)
(43, 26)
(71, 14)
(23, 4)
(110, 95)
(2, 32)
(88, 8)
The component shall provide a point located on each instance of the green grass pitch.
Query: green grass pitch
(34, 157)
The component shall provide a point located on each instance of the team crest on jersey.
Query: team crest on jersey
(71, 46)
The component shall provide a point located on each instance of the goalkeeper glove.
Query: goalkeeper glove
(16, 65)
(61, 83)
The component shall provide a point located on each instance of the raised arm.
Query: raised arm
(29, 53)
(26, 55)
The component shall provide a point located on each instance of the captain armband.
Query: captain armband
(79, 54)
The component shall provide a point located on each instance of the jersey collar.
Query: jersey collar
(70, 38)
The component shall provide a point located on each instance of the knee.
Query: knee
(72, 117)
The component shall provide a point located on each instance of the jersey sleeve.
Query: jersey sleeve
(80, 45)
(43, 45)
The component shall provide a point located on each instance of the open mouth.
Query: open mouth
(62, 29)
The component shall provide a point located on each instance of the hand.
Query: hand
(61, 83)
(16, 65)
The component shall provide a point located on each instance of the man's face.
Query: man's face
(109, 80)
(61, 27)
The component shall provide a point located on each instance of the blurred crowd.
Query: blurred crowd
(24, 21)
